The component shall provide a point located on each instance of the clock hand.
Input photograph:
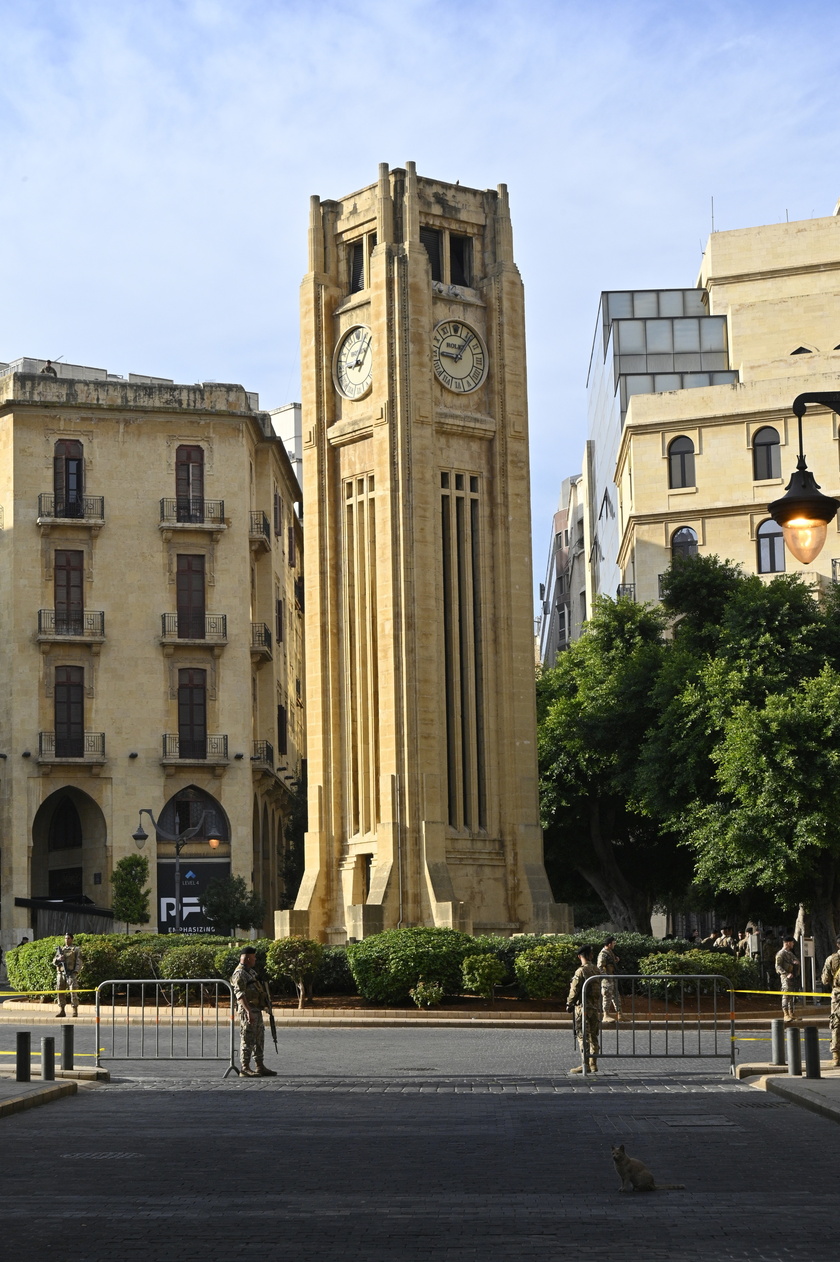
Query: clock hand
(362, 354)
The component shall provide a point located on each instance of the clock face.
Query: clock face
(353, 363)
(459, 356)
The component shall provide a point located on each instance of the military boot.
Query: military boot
(61, 1012)
(75, 1012)
(246, 1071)
(263, 1071)
(593, 1065)
(835, 1060)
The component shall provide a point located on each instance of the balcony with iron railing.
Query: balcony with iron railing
(84, 510)
(626, 590)
(261, 643)
(193, 628)
(209, 749)
(86, 747)
(84, 625)
(263, 754)
(192, 513)
(259, 531)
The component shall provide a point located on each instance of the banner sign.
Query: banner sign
(196, 875)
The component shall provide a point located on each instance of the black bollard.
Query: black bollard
(794, 1052)
(48, 1060)
(22, 1055)
(777, 1041)
(67, 1046)
(812, 1052)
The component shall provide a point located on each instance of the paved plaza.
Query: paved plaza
(395, 1144)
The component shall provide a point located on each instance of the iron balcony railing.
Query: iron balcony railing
(263, 752)
(192, 512)
(260, 637)
(197, 749)
(72, 507)
(626, 589)
(835, 569)
(210, 627)
(79, 745)
(87, 623)
(259, 527)
(299, 592)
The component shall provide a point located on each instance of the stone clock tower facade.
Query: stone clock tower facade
(420, 660)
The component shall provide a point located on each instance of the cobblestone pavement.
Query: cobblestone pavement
(443, 1145)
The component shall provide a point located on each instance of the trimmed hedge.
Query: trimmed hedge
(30, 966)
(697, 961)
(545, 972)
(192, 960)
(481, 974)
(388, 965)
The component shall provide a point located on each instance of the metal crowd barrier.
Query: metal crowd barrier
(173, 1019)
(677, 1028)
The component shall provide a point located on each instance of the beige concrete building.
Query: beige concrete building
(690, 428)
(421, 719)
(152, 642)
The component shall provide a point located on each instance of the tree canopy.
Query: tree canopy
(699, 741)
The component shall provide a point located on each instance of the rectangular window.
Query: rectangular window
(282, 730)
(68, 575)
(69, 711)
(291, 550)
(460, 259)
(190, 596)
(278, 515)
(192, 714)
(279, 621)
(356, 262)
(431, 239)
(189, 483)
(298, 692)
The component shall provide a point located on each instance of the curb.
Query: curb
(799, 1092)
(37, 1096)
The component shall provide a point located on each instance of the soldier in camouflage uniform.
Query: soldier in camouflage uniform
(831, 977)
(68, 964)
(787, 966)
(251, 998)
(574, 1003)
(608, 963)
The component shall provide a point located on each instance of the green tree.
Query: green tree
(595, 709)
(228, 904)
(130, 901)
(741, 763)
(295, 957)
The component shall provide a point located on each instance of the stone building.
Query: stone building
(152, 643)
(421, 714)
(690, 430)
(563, 593)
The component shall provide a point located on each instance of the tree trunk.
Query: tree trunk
(628, 908)
(824, 910)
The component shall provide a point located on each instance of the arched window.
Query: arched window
(767, 457)
(684, 543)
(69, 478)
(65, 827)
(681, 463)
(771, 548)
(189, 483)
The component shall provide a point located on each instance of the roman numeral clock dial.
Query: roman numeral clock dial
(353, 363)
(459, 356)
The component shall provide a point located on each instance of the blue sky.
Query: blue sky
(158, 158)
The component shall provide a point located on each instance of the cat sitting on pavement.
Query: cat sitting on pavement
(635, 1176)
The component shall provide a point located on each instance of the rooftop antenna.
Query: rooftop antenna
(713, 214)
(787, 217)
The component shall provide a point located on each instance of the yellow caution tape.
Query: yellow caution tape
(19, 994)
(801, 994)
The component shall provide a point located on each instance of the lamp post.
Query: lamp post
(804, 512)
(179, 840)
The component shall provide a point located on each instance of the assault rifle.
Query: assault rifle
(267, 993)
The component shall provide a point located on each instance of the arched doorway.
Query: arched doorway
(200, 863)
(69, 854)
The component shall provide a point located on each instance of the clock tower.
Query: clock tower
(421, 727)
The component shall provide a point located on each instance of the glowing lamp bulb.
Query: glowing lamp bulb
(805, 537)
(213, 842)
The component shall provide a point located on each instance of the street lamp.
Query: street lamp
(804, 512)
(179, 840)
